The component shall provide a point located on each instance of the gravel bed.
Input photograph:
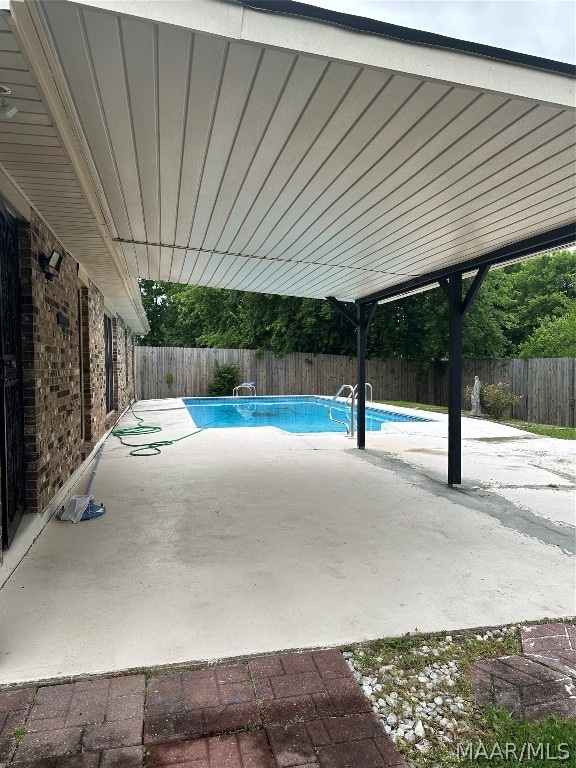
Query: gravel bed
(422, 695)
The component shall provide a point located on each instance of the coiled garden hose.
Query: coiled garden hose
(146, 449)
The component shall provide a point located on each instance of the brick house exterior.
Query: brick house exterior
(63, 365)
(69, 304)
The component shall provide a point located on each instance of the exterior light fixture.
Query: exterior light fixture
(50, 265)
(6, 110)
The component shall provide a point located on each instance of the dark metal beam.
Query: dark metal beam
(365, 315)
(445, 287)
(342, 308)
(456, 315)
(362, 321)
(547, 241)
(361, 330)
(474, 288)
(457, 309)
(371, 311)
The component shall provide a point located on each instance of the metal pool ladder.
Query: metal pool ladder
(249, 385)
(351, 399)
(367, 386)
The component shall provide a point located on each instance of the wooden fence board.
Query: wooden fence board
(547, 385)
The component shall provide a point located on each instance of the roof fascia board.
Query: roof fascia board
(533, 246)
(411, 35)
(316, 37)
(83, 276)
(14, 196)
(109, 309)
(410, 59)
(28, 30)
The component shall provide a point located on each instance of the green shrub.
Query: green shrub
(495, 399)
(226, 377)
(169, 379)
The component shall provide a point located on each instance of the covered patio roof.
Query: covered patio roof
(39, 166)
(233, 147)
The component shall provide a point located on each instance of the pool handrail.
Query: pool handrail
(352, 398)
(249, 385)
(367, 386)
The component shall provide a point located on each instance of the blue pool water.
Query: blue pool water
(293, 414)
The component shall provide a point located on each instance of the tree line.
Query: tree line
(524, 310)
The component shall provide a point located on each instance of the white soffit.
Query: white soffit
(33, 159)
(262, 152)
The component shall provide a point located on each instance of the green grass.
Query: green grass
(19, 733)
(547, 430)
(415, 406)
(534, 745)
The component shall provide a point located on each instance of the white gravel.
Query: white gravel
(420, 709)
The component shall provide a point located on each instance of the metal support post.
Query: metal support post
(458, 307)
(455, 379)
(364, 316)
(361, 329)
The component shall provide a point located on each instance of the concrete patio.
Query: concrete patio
(240, 542)
(297, 709)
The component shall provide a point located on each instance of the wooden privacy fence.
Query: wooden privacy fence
(548, 385)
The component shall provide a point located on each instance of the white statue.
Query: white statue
(476, 398)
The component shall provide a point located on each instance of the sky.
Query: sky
(544, 28)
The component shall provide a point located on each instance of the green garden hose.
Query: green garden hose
(146, 449)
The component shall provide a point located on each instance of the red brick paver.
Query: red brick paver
(14, 707)
(306, 686)
(188, 705)
(89, 724)
(553, 645)
(341, 742)
(239, 750)
(300, 709)
(524, 687)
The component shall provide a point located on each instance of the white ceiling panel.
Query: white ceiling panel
(34, 158)
(199, 266)
(203, 79)
(260, 166)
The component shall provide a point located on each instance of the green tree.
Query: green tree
(554, 337)
(534, 290)
(511, 305)
(158, 302)
(210, 317)
(416, 328)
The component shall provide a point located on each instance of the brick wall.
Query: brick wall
(130, 365)
(94, 378)
(123, 356)
(51, 368)
(58, 371)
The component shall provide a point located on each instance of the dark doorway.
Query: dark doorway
(108, 363)
(13, 480)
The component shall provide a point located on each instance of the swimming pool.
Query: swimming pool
(297, 414)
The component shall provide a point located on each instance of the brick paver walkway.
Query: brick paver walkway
(529, 690)
(536, 685)
(300, 709)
